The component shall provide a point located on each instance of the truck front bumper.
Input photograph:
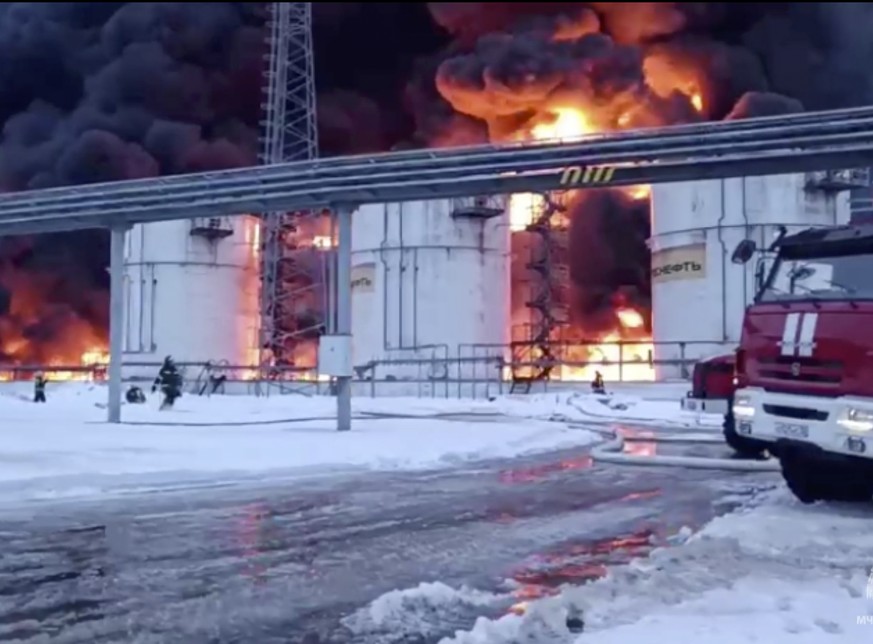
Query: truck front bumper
(837, 426)
(705, 405)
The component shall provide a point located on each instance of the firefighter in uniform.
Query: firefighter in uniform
(170, 381)
(39, 383)
(597, 385)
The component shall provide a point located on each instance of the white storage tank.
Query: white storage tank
(191, 290)
(698, 294)
(430, 280)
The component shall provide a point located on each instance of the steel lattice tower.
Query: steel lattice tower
(288, 133)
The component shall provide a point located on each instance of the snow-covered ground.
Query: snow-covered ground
(773, 572)
(64, 448)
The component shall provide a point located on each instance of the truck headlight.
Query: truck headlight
(742, 407)
(856, 420)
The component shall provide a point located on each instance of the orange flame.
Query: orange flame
(613, 356)
(630, 319)
(666, 73)
(94, 362)
(323, 242)
(36, 331)
(626, 351)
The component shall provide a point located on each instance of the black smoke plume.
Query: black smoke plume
(813, 52)
(93, 92)
(613, 268)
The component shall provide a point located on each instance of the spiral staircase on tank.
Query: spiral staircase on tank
(534, 359)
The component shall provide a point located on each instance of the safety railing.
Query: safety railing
(72, 373)
(471, 371)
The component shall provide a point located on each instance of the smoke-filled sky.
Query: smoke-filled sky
(103, 91)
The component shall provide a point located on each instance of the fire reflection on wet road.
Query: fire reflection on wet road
(576, 563)
(286, 565)
(639, 446)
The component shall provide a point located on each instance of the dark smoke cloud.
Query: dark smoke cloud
(506, 79)
(468, 21)
(763, 104)
(437, 123)
(609, 263)
(130, 76)
(95, 92)
(511, 57)
(815, 52)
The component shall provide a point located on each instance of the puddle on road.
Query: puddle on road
(643, 442)
(541, 472)
(635, 442)
(258, 537)
(577, 563)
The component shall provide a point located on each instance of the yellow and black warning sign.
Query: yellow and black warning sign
(587, 175)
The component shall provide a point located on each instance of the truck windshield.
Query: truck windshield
(835, 278)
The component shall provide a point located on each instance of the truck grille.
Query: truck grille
(794, 369)
(796, 413)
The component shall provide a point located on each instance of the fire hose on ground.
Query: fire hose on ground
(612, 451)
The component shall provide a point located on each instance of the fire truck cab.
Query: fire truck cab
(804, 367)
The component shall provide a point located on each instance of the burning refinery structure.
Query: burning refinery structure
(450, 293)
(634, 282)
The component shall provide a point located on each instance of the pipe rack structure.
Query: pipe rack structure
(772, 145)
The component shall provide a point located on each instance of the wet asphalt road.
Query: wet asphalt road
(287, 564)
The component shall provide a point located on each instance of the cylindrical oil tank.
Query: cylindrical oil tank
(191, 290)
(698, 294)
(430, 290)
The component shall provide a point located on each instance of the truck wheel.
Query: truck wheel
(746, 447)
(802, 479)
(835, 485)
(856, 492)
(811, 481)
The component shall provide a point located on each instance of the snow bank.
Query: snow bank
(65, 448)
(62, 449)
(777, 572)
(73, 459)
(402, 616)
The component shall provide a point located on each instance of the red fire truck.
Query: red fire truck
(712, 386)
(804, 367)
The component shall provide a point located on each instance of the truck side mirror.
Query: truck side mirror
(744, 251)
